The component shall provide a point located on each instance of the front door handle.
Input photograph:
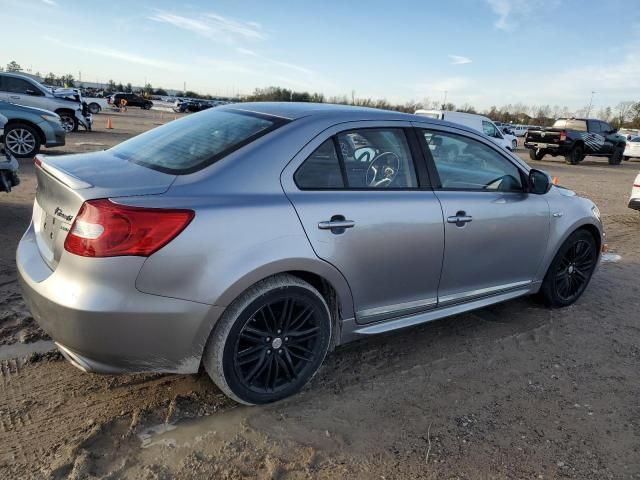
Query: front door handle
(337, 224)
(460, 218)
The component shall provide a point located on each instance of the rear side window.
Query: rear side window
(194, 142)
(321, 170)
(579, 125)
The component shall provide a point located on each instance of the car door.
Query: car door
(21, 92)
(362, 196)
(495, 233)
(610, 138)
(490, 130)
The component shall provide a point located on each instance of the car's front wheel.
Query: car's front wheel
(616, 156)
(94, 108)
(571, 270)
(576, 155)
(69, 122)
(270, 341)
(514, 144)
(21, 140)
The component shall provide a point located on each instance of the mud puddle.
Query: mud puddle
(21, 350)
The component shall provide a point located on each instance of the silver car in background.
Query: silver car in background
(253, 238)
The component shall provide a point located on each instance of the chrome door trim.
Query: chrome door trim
(463, 296)
(399, 309)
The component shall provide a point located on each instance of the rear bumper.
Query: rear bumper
(549, 147)
(102, 323)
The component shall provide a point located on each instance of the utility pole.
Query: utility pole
(590, 103)
(445, 100)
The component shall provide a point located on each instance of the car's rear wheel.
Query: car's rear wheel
(625, 158)
(536, 154)
(514, 144)
(576, 155)
(270, 341)
(571, 270)
(616, 156)
(21, 140)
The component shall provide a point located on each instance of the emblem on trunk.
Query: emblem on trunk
(59, 213)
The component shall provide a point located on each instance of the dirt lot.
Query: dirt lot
(511, 391)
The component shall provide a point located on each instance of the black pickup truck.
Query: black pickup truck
(575, 138)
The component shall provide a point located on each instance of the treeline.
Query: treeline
(625, 114)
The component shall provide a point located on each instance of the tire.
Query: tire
(514, 144)
(94, 108)
(626, 159)
(251, 354)
(616, 156)
(23, 141)
(69, 122)
(536, 154)
(576, 155)
(146, 106)
(570, 271)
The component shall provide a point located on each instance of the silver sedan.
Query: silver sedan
(254, 238)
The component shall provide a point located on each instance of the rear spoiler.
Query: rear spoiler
(59, 174)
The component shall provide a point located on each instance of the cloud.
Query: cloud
(459, 60)
(118, 55)
(279, 63)
(213, 26)
(511, 13)
(50, 2)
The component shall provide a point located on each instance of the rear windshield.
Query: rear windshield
(196, 141)
(580, 125)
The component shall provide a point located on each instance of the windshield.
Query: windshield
(190, 144)
(580, 125)
(635, 139)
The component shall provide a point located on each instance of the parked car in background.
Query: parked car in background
(8, 164)
(629, 133)
(519, 130)
(23, 90)
(632, 148)
(133, 100)
(634, 201)
(476, 122)
(123, 281)
(575, 138)
(96, 104)
(28, 128)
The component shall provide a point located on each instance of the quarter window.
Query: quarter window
(377, 158)
(463, 163)
(321, 170)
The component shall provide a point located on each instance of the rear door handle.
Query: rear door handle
(460, 218)
(337, 224)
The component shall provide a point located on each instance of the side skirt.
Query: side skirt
(352, 331)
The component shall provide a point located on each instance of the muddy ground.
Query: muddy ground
(511, 391)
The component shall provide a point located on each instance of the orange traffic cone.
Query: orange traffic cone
(109, 124)
(554, 180)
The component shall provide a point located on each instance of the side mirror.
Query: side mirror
(539, 182)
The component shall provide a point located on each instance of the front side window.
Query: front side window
(377, 158)
(194, 142)
(604, 127)
(463, 163)
(16, 85)
(321, 170)
(490, 130)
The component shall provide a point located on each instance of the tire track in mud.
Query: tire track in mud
(48, 409)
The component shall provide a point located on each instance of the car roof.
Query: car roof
(339, 113)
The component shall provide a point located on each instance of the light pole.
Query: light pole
(445, 100)
(590, 103)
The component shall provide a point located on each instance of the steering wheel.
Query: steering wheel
(383, 170)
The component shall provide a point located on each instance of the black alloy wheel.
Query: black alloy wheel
(571, 270)
(270, 342)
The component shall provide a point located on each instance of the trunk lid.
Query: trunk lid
(66, 182)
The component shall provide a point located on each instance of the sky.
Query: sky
(481, 52)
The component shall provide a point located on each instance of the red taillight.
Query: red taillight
(563, 135)
(105, 229)
(37, 161)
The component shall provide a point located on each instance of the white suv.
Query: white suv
(24, 90)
